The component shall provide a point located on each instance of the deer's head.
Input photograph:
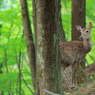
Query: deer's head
(85, 32)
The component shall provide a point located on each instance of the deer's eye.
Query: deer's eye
(86, 31)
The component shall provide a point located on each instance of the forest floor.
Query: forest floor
(89, 87)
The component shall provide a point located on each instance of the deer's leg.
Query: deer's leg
(73, 75)
(74, 69)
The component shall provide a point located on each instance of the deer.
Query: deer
(73, 52)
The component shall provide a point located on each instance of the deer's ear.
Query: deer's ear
(78, 27)
(90, 25)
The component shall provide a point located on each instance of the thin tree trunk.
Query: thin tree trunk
(61, 32)
(29, 88)
(29, 39)
(19, 75)
(35, 22)
(58, 30)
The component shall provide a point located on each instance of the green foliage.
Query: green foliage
(66, 18)
(91, 77)
(12, 41)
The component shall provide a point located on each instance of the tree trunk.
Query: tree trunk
(29, 39)
(78, 18)
(35, 22)
(61, 32)
(19, 75)
(47, 47)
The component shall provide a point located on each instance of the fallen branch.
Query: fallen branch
(50, 92)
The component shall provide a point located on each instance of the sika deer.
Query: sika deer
(73, 52)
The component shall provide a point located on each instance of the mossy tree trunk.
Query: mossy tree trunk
(47, 57)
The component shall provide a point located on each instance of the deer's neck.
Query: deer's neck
(87, 45)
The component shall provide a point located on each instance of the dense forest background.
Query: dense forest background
(15, 76)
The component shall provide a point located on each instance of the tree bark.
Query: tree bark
(19, 75)
(35, 21)
(47, 41)
(29, 39)
(61, 32)
(78, 17)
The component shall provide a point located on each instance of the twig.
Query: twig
(91, 57)
(50, 92)
(28, 86)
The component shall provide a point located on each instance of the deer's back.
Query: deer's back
(71, 51)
